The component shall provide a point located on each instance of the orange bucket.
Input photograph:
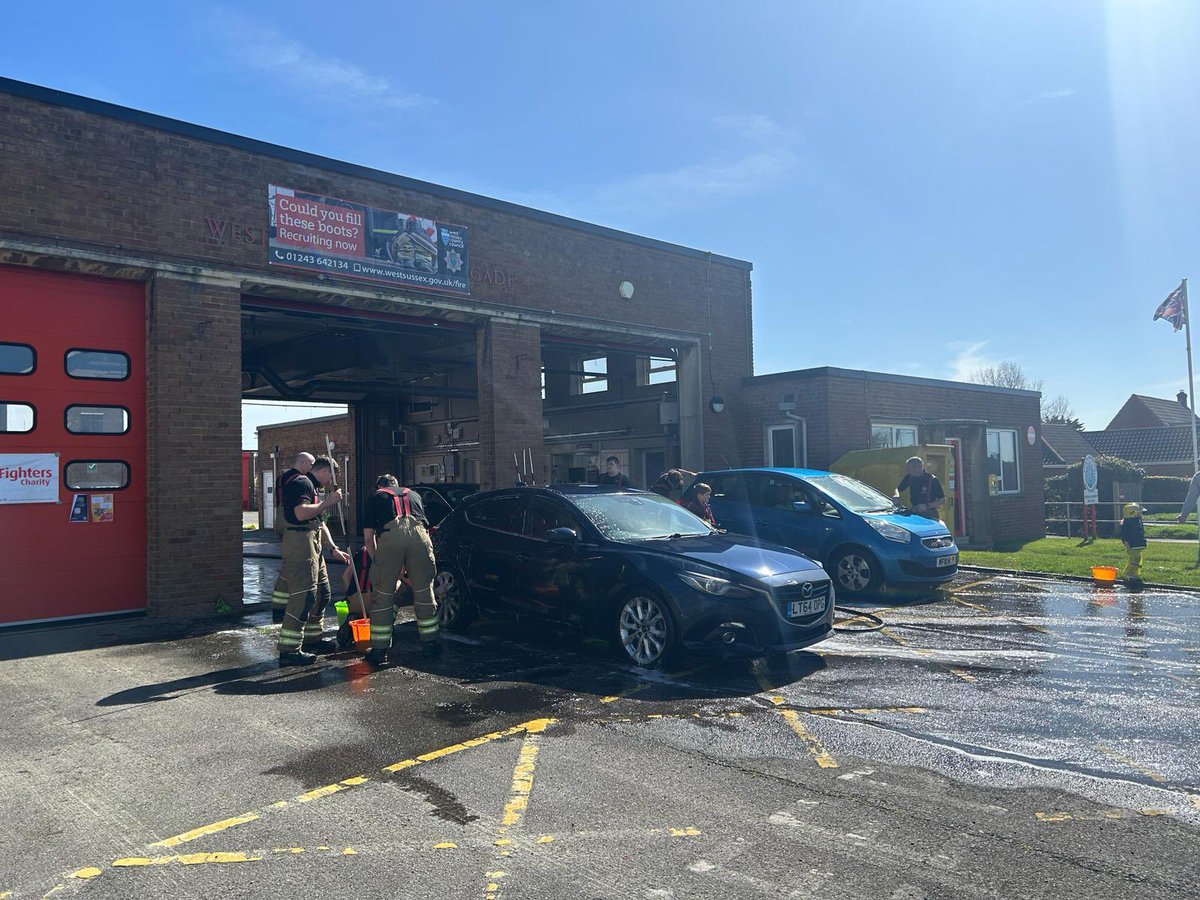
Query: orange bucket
(361, 630)
(1104, 574)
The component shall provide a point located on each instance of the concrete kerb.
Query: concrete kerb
(1081, 579)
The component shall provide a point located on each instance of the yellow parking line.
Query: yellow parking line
(1131, 763)
(534, 726)
(515, 808)
(959, 672)
(205, 830)
(1109, 815)
(968, 604)
(969, 585)
(818, 751)
(866, 711)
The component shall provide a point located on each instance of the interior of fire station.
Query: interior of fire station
(412, 386)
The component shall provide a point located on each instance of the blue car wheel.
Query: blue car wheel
(855, 571)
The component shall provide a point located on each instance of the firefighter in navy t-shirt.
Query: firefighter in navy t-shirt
(925, 494)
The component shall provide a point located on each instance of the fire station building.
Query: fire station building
(154, 273)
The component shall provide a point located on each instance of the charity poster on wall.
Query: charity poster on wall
(351, 240)
(102, 507)
(28, 478)
(79, 508)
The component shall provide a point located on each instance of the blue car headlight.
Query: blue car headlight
(890, 531)
(713, 584)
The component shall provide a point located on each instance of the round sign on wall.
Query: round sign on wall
(1031, 436)
(1090, 474)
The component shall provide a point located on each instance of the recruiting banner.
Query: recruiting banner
(28, 477)
(338, 237)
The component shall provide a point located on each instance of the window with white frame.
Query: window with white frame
(592, 375)
(543, 382)
(655, 370)
(1003, 463)
(888, 434)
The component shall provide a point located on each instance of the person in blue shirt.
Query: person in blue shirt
(1133, 536)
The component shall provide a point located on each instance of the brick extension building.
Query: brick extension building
(174, 270)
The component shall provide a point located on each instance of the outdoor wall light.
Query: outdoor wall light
(626, 290)
(716, 404)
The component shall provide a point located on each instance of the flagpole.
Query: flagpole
(1187, 324)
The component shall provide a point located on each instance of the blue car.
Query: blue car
(629, 566)
(862, 537)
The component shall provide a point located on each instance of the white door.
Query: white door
(268, 507)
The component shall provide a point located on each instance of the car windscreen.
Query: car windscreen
(639, 517)
(852, 494)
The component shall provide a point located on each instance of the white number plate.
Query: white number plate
(950, 560)
(802, 608)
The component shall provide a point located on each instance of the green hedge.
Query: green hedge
(1162, 489)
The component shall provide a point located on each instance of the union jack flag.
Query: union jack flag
(1174, 308)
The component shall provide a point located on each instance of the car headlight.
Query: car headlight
(713, 584)
(890, 531)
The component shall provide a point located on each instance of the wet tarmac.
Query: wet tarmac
(1010, 737)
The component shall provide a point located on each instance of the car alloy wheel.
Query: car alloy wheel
(453, 609)
(854, 572)
(644, 630)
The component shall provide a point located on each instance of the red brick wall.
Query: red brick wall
(510, 422)
(194, 448)
(310, 437)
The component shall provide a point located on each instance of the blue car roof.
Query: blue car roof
(800, 473)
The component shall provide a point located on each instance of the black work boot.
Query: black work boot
(320, 645)
(377, 657)
(296, 658)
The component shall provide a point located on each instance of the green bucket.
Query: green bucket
(343, 612)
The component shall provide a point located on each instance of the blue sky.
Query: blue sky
(923, 187)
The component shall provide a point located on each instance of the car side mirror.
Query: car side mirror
(562, 536)
(801, 506)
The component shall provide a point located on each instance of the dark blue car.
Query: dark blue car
(864, 539)
(630, 566)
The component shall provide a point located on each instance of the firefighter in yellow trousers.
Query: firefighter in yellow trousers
(396, 537)
(302, 562)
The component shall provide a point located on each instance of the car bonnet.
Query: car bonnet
(744, 555)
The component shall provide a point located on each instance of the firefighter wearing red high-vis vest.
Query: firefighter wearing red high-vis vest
(396, 537)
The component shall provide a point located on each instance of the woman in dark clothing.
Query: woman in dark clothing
(669, 485)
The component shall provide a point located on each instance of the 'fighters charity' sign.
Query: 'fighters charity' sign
(28, 477)
(350, 240)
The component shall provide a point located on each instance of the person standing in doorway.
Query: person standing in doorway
(925, 494)
(302, 559)
(613, 474)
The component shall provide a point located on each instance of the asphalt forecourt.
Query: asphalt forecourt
(1010, 737)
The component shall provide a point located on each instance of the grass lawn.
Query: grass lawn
(1161, 563)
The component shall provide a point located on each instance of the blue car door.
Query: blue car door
(731, 502)
(785, 512)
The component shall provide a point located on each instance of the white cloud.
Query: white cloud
(753, 126)
(969, 358)
(258, 47)
(697, 185)
(1059, 94)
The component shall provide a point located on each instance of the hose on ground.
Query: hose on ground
(839, 625)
